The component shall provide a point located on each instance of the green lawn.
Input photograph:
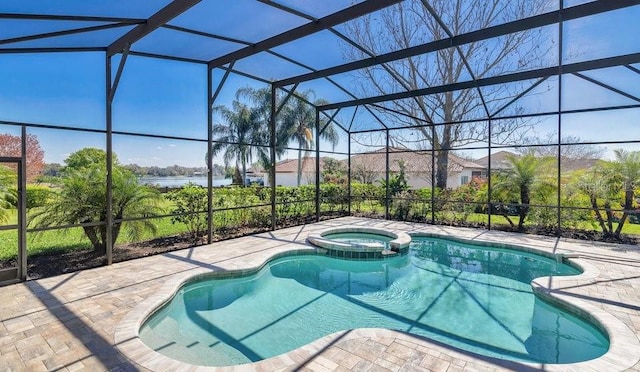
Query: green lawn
(73, 239)
(628, 228)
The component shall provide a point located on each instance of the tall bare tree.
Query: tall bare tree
(415, 22)
(575, 150)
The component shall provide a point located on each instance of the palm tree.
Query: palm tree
(525, 176)
(261, 107)
(603, 186)
(627, 166)
(609, 183)
(248, 124)
(237, 135)
(82, 199)
(299, 124)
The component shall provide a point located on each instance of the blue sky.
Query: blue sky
(169, 98)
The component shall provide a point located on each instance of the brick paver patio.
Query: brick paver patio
(69, 322)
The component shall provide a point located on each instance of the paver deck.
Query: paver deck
(69, 322)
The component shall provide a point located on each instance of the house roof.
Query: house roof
(414, 161)
(498, 160)
(569, 165)
(291, 165)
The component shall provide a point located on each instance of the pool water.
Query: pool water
(359, 238)
(474, 298)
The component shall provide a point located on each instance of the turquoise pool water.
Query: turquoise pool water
(355, 238)
(474, 298)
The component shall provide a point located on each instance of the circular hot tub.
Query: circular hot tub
(360, 242)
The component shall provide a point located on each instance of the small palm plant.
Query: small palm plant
(526, 177)
(82, 199)
(609, 184)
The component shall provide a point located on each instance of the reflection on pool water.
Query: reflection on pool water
(474, 298)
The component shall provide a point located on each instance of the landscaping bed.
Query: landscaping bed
(55, 263)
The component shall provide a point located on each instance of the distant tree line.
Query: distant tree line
(54, 170)
(172, 170)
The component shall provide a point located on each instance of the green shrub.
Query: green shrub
(37, 195)
(402, 205)
(334, 196)
(190, 201)
(365, 192)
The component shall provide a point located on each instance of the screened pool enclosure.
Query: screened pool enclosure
(130, 125)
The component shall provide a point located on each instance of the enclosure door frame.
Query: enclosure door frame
(18, 273)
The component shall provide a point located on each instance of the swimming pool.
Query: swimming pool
(476, 298)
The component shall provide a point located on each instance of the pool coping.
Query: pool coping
(622, 353)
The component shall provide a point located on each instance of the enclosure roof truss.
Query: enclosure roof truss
(239, 52)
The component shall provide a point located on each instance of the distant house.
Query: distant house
(499, 162)
(370, 167)
(287, 172)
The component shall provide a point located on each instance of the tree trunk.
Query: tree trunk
(442, 148)
(628, 204)
(244, 172)
(299, 167)
(506, 216)
(272, 176)
(596, 210)
(91, 233)
(607, 207)
(524, 206)
(115, 231)
(442, 167)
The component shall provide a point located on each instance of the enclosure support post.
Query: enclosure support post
(109, 147)
(559, 185)
(111, 87)
(210, 100)
(386, 177)
(433, 175)
(272, 153)
(22, 208)
(489, 203)
(317, 165)
(116, 81)
(349, 173)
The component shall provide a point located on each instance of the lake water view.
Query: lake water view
(182, 180)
